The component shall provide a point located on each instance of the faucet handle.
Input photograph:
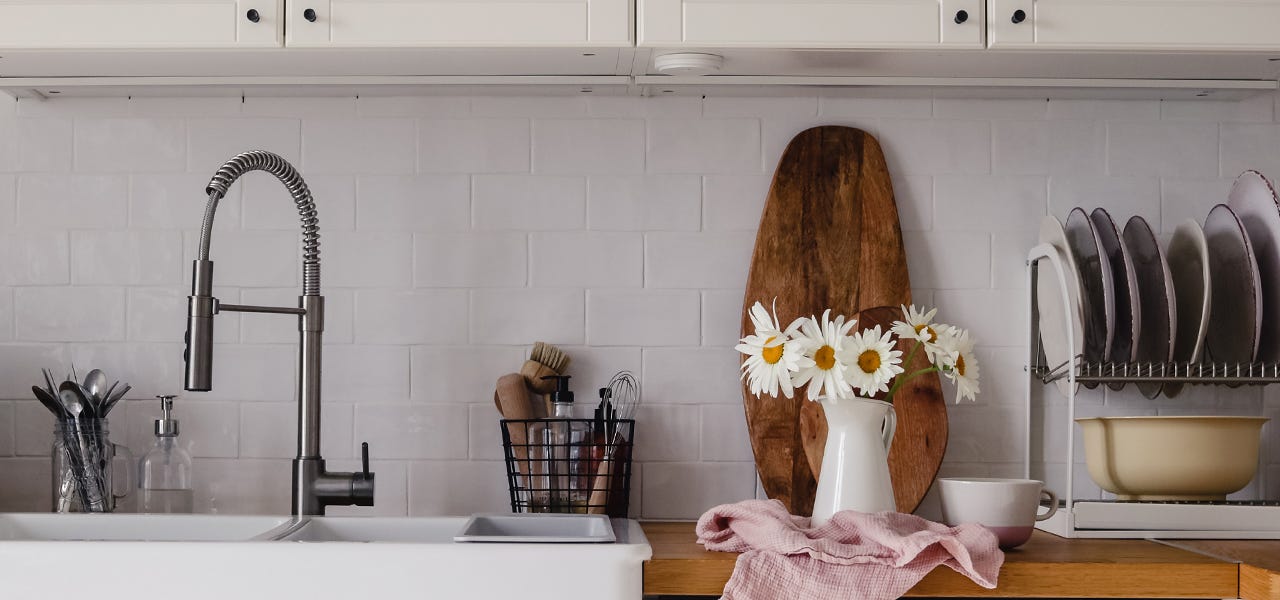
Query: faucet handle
(364, 460)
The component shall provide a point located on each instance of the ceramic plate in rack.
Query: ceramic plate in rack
(1188, 257)
(1254, 200)
(1237, 305)
(1128, 323)
(1155, 294)
(1096, 284)
(1058, 348)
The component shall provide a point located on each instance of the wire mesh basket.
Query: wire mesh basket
(569, 465)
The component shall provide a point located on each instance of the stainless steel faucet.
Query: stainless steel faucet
(314, 488)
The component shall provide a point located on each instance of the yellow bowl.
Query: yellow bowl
(1173, 457)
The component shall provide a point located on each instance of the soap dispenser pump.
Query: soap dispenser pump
(164, 474)
(561, 398)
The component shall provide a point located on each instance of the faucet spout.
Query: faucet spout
(313, 486)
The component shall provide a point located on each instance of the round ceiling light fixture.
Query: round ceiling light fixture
(688, 63)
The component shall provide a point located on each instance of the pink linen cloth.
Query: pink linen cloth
(854, 556)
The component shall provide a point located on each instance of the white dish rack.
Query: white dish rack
(1090, 518)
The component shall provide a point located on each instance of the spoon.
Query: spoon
(96, 382)
(72, 399)
(48, 401)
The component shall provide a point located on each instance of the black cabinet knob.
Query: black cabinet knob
(253, 15)
(1019, 16)
(309, 14)
(962, 16)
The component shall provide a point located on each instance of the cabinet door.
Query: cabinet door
(53, 24)
(489, 23)
(1169, 25)
(810, 23)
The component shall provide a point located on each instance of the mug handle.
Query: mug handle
(1053, 505)
(123, 452)
(889, 427)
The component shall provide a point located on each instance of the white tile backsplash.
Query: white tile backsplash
(457, 231)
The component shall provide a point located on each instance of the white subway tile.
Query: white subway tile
(581, 259)
(948, 260)
(985, 433)
(593, 368)
(128, 258)
(73, 201)
(643, 318)
(33, 424)
(6, 314)
(29, 490)
(529, 202)
(1101, 110)
(485, 436)
(1122, 197)
(67, 314)
(705, 260)
(73, 107)
(686, 490)
(177, 201)
(44, 144)
(473, 146)
(643, 202)
(457, 488)
(423, 317)
(268, 205)
(391, 499)
(692, 375)
(914, 197)
(422, 431)
(588, 146)
(1170, 149)
(34, 258)
(1250, 147)
(7, 424)
(366, 374)
(885, 108)
(9, 144)
(738, 106)
(418, 203)
(734, 202)
(1259, 108)
(8, 202)
(470, 259)
(241, 486)
(971, 203)
(461, 374)
(721, 317)
(259, 328)
(529, 106)
(920, 147)
(704, 146)
(364, 259)
(1009, 258)
(20, 366)
(206, 429)
(122, 145)
(412, 106)
(986, 108)
(359, 146)
(253, 372)
(339, 429)
(724, 434)
(268, 430)
(251, 258)
(670, 432)
(524, 316)
(1063, 147)
(1183, 199)
(303, 107)
(993, 317)
(212, 142)
(148, 106)
(664, 106)
(160, 315)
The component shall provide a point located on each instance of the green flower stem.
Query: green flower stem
(903, 379)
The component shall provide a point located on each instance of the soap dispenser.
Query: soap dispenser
(569, 444)
(164, 474)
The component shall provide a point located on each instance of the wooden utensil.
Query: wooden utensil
(828, 238)
(512, 398)
(921, 437)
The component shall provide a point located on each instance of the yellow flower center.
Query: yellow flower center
(960, 365)
(869, 361)
(773, 354)
(825, 357)
(933, 335)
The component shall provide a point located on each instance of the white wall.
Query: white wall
(457, 231)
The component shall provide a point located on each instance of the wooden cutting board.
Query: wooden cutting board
(829, 238)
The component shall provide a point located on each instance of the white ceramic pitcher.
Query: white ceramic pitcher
(855, 462)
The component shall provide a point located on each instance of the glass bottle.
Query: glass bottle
(568, 442)
(164, 474)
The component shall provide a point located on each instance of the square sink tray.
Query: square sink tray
(590, 529)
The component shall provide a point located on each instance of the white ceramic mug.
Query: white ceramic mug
(1008, 507)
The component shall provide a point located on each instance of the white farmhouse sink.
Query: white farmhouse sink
(329, 557)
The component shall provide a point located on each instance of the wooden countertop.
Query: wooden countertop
(1046, 566)
(1259, 563)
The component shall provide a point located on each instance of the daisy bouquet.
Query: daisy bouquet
(834, 361)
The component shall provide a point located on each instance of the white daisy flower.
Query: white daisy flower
(821, 344)
(963, 368)
(919, 325)
(771, 356)
(872, 361)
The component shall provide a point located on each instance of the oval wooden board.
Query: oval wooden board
(921, 438)
(828, 238)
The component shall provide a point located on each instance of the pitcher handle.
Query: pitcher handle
(890, 426)
(128, 470)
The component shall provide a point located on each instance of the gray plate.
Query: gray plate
(1155, 295)
(1097, 285)
(520, 528)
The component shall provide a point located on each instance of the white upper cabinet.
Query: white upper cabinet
(168, 24)
(810, 23)
(1170, 25)
(487, 23)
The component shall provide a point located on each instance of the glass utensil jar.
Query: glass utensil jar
(83, 467)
